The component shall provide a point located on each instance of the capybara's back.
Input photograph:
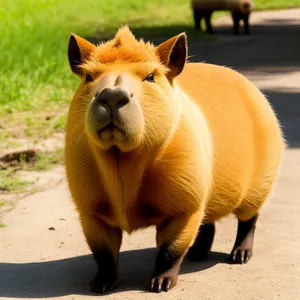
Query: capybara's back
(232, 5)
(153, 141)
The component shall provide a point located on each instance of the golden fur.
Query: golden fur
(210, 145)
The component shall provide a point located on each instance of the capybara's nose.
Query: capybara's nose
(114, 98)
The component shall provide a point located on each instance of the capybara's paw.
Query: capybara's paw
(240, 255)
(163, 282)
(101, 284)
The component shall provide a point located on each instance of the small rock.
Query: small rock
(51, 228)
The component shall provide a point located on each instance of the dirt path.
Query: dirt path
(36, 262)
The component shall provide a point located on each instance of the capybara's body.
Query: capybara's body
(212, 5)
(247, 140)
(240, 10)
(153, 142)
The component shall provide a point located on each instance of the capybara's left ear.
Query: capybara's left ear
(173, 54)
(78, 52)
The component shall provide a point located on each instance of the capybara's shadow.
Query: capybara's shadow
(72, 275)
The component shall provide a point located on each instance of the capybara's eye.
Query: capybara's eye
(88, 78)
(150, 77)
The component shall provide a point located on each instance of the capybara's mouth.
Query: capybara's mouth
(110, 132)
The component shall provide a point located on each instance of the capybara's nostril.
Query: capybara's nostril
(122, 102)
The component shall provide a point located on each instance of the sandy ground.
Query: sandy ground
(36, 262)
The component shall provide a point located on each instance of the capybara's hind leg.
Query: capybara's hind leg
(243, 247)
(174, 237)
(203, 243)
(105, 243)
(207, 17)
(246, 23)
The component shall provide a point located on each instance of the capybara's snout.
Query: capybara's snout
(114, 116)
(106, 106)
(247, 6)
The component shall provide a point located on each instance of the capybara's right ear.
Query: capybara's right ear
(78, 52)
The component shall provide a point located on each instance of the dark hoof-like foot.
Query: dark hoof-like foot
(242, 250)
(102, 284)
(240, 255)
(163, 282)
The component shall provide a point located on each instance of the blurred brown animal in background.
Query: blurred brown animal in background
(240, 10)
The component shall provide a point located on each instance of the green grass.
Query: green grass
(60, 123)
(10, 181)
(34, 37)
(46, 160)
(275, 4)
(2, 225)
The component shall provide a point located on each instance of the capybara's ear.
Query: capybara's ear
(173, 53)
(79, 51)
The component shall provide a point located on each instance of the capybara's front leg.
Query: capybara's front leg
(105, 242)
(236, 17)
(197, 14)
(174, 237)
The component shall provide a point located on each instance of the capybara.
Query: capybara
(153, 140)
(240, 10)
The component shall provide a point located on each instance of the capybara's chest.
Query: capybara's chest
(158, 198)
(137, 214)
